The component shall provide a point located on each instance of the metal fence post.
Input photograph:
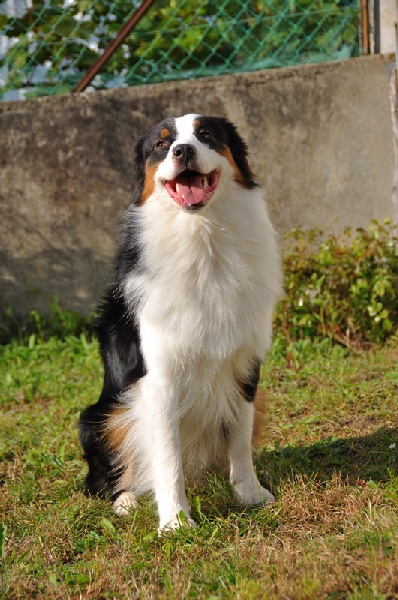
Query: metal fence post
(112, 46)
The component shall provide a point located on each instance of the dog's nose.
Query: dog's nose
(184, 153)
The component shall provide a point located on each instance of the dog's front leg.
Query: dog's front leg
(243, 479)
(165, 460)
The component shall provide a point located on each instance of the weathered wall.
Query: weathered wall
(319, 137)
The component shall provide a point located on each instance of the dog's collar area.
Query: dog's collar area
(192, 190)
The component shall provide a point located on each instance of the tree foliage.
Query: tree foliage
(55, 41)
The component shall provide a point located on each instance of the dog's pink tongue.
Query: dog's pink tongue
(190, 190)
(191, 194)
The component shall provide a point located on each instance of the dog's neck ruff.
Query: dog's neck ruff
(211, 266)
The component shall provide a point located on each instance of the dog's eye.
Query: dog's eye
(205, 135)
(161, 144)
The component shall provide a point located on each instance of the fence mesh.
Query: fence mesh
(46, 47)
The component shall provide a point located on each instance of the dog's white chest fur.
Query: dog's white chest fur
(208, 280)
(205, 296)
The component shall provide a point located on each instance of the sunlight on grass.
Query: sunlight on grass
(329, 453)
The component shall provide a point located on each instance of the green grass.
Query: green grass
(330, 454)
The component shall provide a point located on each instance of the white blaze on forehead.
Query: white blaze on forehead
(185, 128)
(207, 159)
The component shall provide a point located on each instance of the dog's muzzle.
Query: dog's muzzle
(191, 189)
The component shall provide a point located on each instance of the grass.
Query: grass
(330, 455)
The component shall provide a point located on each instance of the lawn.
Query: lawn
(329, 453)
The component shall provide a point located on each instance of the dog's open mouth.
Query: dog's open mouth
(192, 190)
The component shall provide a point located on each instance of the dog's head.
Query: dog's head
(185, 161)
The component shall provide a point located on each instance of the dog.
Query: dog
(185, 324)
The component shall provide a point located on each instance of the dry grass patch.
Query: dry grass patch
(330, 454)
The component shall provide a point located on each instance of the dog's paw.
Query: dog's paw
(177, 523)
(252, 493)
(124, 503)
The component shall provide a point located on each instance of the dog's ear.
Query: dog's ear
(239, 153)
(139, 170)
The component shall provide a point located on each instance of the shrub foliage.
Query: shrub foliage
(342, 287)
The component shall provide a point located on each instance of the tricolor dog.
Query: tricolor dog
(185, 324)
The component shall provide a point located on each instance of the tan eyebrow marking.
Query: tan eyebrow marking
(164, 133)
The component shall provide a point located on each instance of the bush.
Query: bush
(338, 288)
(341, 287)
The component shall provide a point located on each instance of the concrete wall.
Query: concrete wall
(388, 18)
(319, 136)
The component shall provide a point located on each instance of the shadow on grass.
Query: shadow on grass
(357, 459)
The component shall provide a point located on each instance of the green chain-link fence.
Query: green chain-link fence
(46, 47)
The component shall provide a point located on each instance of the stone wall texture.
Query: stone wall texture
(319, 137)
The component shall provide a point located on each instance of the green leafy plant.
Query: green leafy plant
(342, 287)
